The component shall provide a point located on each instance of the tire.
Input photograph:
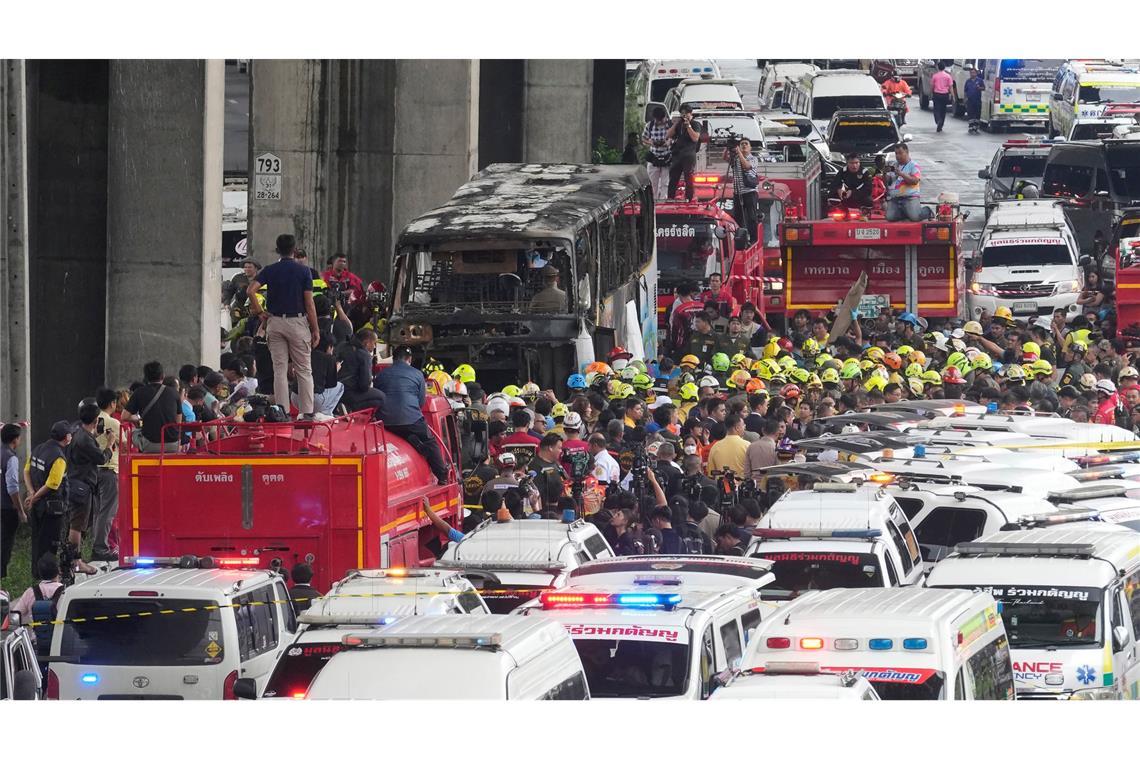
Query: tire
(959, 109)
(996, 127)
(923, 101)
(1050, 133)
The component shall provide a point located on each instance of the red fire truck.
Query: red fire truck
(909, 265)
(342, 494)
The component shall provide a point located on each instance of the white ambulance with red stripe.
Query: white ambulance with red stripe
(910, 643)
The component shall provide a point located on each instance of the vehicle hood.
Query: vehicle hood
(1046, 671)
(1049, 273)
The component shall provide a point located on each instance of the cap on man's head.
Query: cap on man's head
(60, 430)
(549, 272)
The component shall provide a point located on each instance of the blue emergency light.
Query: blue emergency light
(144, 560)
(914, 643)
(880, 645)
(90, 678)
(992, 407)
(648, 600)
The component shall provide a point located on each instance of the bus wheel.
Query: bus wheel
(923, 101)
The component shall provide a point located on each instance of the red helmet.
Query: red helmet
(790, 391)
(785, 344)
(953, 376)
(376, 287)
(619, 352)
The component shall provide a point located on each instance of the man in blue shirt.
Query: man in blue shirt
(973, 91)
(402, 413)
(291, 323)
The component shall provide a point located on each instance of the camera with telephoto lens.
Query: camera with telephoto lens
(639, 469)
(691, 487)
(730, 136)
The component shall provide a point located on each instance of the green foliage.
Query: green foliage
(604, 154)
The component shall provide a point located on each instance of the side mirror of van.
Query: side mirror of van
(1119, 638)
(723, 677)
(984, 174)
(15, 620)
(969, 264)
(741, 239)
(1085, 262)
(245, 688)
(907, 137)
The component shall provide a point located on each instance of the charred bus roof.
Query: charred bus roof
(526, 201)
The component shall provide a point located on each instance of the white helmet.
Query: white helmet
(708, 381)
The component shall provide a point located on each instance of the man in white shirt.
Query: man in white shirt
(606, 468)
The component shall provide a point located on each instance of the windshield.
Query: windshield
(686, 248)
(863, 135)
(1124, 170)
(633, 668)
(503, 599)
(494, 280)
(1026, 255)
(1110, 93)
(803, 571)
(153, 638)
(1049, 616)
(823, 108)
(1021, 166)
(659, 88)
(1093, 130)
(1066, 181)
(929, 686)
(298, 667)
(711, 96)
(1030, 69)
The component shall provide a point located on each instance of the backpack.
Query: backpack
(44, 610)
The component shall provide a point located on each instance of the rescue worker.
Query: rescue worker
(551, 299)
(44, 477)
(851, 187)
(401, 412)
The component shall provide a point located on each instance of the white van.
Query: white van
(1070, 599)
(910, 643)
(774, 78)
(797, 680)
(20, 678)
(1080, 434)
(1083, 89)
(456, 657)
(655, 77)
(975, 471)
(819, 94)
(511, 562)
(837, 535)
(364, 599)
(702, 94)
(1015, 91)
(662, 637)
(1026, 260)
(169, 629)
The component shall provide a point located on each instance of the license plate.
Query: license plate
(1024, 307)
(1033, 97)
(868, 233)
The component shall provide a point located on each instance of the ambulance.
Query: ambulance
(1070, 600)
(1016, 90)
(797, 680)
(660, 637)
(910, 643)
(1084, 88)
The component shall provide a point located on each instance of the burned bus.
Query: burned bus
(530, 271)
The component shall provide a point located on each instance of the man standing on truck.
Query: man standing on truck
(686, 142)
(289, 310)
(658, 157)
(404, 392)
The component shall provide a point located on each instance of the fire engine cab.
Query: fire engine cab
(340, 495)
(909, 265)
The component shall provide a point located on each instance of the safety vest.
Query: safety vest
(40, 463)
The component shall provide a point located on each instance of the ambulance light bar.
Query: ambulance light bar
(826, 487)
(706, 179)
(1102, 472)
(1124, 457)
(239, 562)
(792, 668)
(492, 641)
(188, 562)
(1059, 518)
(552, 600)
(313, 618)
(1095, 491)
(501, 564)
(917, 644)
(998, 549)
(800, 533)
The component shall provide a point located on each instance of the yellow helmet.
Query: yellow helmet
(756, 365)
(559, 410)
(829, 375)
(1042, 367)
(773, 366)
(917, 357)
(530, 390)
(464, 373)
(772, 349)
(738, 379)
(439, 379)
(875, 383)
(973, 327)
(904, 349)
(688, 391)
(740, 360)
(916, 386)
(914, 370)
(786, 362)
(895, 378)
(814, 381)
(810, 347)
(799, 375)
(626, 390)
(1031, 348)
(1003, 312)
(874, 354)
(431, 365)
(931, 377)
(688, 361)
(822, 359)
(511, 390)
(866, 365)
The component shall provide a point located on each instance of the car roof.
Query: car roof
(865, 507)
(380, 592)
(522, 637)
(536, 542)
(1045, 213)
(898, 604)
(1112, 543)
(693, 571)
(171, 581)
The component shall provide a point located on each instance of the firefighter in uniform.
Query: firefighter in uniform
(45, 476)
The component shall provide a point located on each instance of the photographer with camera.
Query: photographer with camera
(549, 477)
(686, 141)
(659, 156)
(668, 473)
(744, 168)
(106, 504)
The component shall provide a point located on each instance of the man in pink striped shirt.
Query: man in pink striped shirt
(941, 85)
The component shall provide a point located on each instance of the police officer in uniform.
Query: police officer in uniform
(45, 475)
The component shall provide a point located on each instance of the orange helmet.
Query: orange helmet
(753, 385)
(599, 367)
(892, 360)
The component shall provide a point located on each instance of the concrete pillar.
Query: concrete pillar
(501, 110)
(608, 112)
(15, 335)
(67, 234)
(558, 111)
(164, 209)
(365, 146)
(288, 119)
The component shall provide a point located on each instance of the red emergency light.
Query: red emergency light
(997, 89)
(837, 214)
(706, 179)
(239, 562)
(800, 233)
(935, 233)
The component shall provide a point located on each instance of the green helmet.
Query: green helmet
(627, 373)
(959, 360)
(786, 362)
(642, 381)
(829, 375)
(931, 377)
(914, 370)
(799, 375)
(639, 365)
(983, 361)
(720, 362)
(851, 372)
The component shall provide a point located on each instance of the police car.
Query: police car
(365, 599)
(20, 677)
(910, 643)
(1070, 595)
(493, 657)
(837, 535)
(658, 627)
(511, 562)
(796, 680)
(170, 628)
